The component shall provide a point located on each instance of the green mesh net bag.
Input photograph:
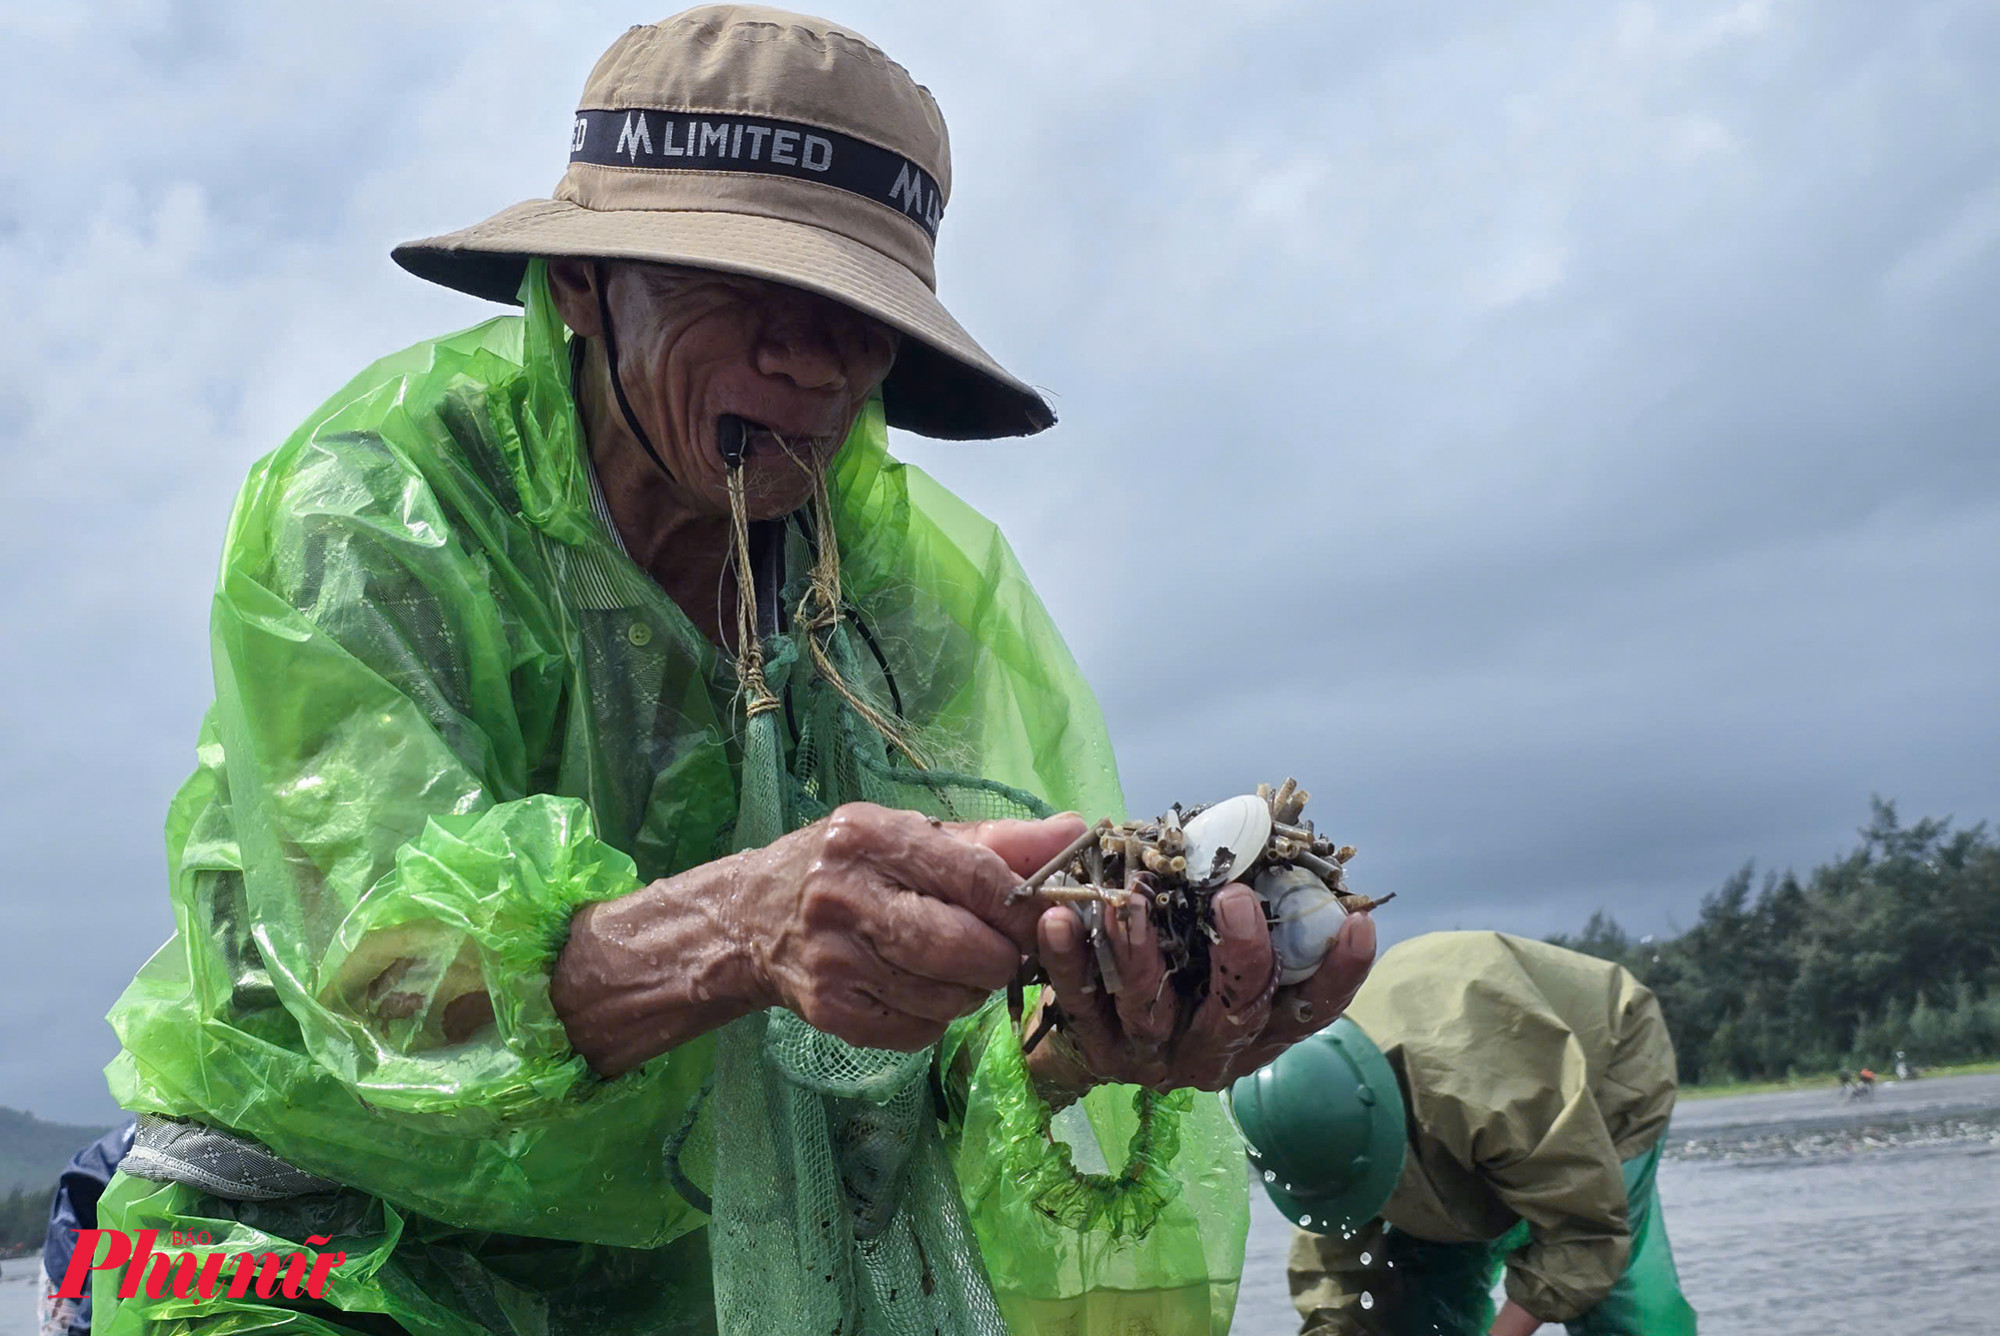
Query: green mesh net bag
(833, 1202)
(450, 711)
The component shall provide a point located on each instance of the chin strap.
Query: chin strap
(611, 364)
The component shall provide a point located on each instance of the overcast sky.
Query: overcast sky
(1561, 434)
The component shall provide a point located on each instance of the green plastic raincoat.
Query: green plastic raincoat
(449, 711)
(1538, 1083)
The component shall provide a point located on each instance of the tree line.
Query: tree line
(1894, 946)
(24, 1219)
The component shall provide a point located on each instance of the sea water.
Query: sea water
(1798, 1214)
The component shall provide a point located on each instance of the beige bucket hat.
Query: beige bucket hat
(761, 142)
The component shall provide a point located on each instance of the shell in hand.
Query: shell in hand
(1225, 839)
(1305, 918)
(1177, 864)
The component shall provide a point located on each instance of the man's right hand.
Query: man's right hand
(883, 927)
(1514, 1320)
(878, 926)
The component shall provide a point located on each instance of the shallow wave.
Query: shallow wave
(1845, 1138)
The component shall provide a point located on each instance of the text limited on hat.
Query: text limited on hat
(645, 138)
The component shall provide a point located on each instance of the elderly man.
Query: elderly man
(594, 888)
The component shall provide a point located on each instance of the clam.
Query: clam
(1171, 868)
(1305, 916)
(1223, 840)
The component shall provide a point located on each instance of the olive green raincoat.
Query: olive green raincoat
(449, 711)
(1532, 1077)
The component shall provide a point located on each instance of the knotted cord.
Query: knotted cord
(819, 610)
(757, 694)
(819, 614)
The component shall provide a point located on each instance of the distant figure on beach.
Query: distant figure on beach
(1489, 1103)
(74, 1208)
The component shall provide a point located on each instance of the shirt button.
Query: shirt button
(639, 634)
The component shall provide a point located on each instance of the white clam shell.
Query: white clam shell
(1306, 916)
(1239, 826)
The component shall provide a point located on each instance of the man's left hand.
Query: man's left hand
(1514, 1320)
(1137, 1036)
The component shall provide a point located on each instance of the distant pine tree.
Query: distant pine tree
(24, 1219)
(1895, 945)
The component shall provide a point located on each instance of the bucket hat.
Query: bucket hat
(761, 142)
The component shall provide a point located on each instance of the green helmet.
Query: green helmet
(1324, 1126)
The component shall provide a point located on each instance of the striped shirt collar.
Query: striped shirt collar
(603, 582)
(602, 508)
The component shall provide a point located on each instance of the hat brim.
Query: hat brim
(943, 383)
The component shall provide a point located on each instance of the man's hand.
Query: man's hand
(883, 927)
(1515, 1320)
(1243, 1023)
(879, 926)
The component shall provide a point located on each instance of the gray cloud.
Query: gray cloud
(1561, 436)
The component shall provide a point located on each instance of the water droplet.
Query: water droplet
(1367, 1299)
(1367, 1259)
(1270, 1177)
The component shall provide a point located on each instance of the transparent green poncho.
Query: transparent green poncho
(449, 711)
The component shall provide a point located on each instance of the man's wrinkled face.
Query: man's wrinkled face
(694, 345)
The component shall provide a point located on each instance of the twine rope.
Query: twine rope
(818, 613)
(758, 697)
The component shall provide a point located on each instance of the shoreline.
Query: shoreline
(1816, 1080)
